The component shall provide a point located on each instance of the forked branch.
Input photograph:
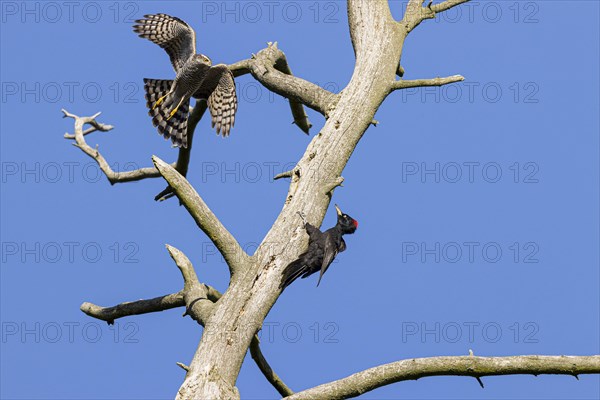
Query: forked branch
(270, 67)
(415, 12)
(112, 176)
(188, 297)
(195, 294)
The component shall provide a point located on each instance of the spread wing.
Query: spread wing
(218, 88)
(171, 33)
(331, 251)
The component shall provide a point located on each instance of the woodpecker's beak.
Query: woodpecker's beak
(339, 212)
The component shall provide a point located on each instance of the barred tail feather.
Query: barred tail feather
(174, 128)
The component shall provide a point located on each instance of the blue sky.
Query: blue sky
(478, 202)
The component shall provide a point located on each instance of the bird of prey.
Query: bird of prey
(323, 247)
(169, 100)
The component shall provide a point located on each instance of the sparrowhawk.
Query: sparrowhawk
(169, 100)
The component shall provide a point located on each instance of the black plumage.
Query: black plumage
(323, 247)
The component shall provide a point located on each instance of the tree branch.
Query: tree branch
(206, 220)
(175, 300)
(285, 174)
(405, 84)
(112, 176)
(89, 130)
(280, 64)
(109, 314)
(247, 66)
(192, 293)
(446, 5)
(413, 369)
(266, 369)
(415, 12)
(270, 67)
(195, 294)
(157, 304)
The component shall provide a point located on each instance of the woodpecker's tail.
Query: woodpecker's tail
(161, 104)
(293, 271)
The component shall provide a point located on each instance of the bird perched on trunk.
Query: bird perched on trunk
(169, 100)
(323, 247)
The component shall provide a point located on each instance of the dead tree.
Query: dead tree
(232, 319)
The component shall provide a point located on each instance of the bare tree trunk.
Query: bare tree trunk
(254, 290)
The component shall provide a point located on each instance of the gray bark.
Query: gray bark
(377, 42)
(372, 378)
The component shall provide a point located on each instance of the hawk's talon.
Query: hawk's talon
(175, 109)
(159, 101)
(172, 113)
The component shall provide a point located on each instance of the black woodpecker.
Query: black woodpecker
(323, 247)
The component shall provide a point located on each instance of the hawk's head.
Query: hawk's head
(203, 59)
